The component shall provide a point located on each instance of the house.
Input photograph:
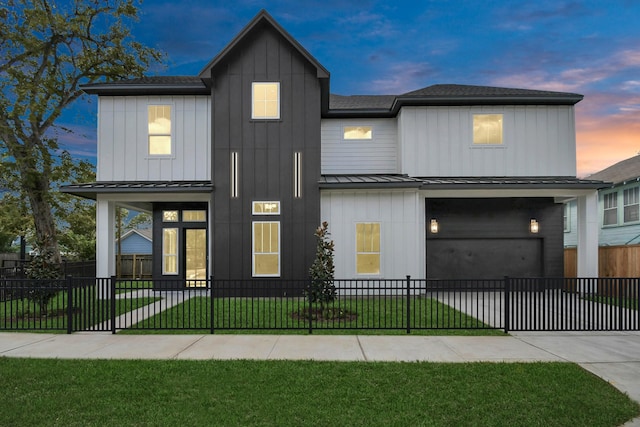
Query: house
(618, 206)
(241, 163)
(136, 241)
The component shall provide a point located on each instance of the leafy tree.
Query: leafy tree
(47, 50)
(45, 285)
(322, 289)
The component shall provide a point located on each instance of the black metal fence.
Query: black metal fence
(509, 304)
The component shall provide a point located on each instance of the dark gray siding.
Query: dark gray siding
(490, 238)
(266, 149)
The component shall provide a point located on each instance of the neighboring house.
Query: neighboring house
(136, 242)
(618, 206)
(241, 163)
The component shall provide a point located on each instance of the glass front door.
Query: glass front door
(196, 257)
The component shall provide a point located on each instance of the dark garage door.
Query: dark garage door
(484, 258)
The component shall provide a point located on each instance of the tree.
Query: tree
(322, 289)
(47, 50)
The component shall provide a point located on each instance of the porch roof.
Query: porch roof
(381, 181)
(90, 190)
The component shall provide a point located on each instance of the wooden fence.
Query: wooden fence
(613, 261)
(134, 266)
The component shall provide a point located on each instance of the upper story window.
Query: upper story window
(358, 132)
(631, 205)
(265, 100)
(610, 214)
(159, 120)
(487, 129)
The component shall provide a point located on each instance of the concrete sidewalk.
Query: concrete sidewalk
(613, 356)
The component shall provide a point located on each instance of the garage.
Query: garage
(492, 238)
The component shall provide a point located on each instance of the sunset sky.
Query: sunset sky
(589, 47)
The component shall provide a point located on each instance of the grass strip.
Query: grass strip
(292, 393)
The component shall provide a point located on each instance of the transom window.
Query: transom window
(266, 208)
(194, 215)
(266, 248)
(170, 216)
(159, 121)
(631, 205)
(357, 132)
(487, 129)
(610, 203)
(266, 100)
(368, 248)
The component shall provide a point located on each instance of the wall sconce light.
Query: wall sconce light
(434, 226)
(534, 227)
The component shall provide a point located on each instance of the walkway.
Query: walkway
(613, 356)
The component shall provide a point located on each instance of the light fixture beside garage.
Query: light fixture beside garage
(534, 227)
(434, 226)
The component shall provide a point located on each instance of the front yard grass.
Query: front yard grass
(293, 393)
(290, 316)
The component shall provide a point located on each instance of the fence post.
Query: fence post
(621, 303)
(212, 308)
(408, 304)
(69, 305)
(507, 303)
(310, 320)
(112, 311)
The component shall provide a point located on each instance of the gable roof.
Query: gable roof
(261, 18)
(621, 172)
(145, 233)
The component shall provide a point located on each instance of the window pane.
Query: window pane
(159, 145)
(266, 252)
(169, 216)
(266, 101)
(266, 208)
(631, 213)
(159, 126)
(170, 251)
(368, 248)
(194, 216)
(487, 128)
(610, 217)
(196, 255)
(357, 132)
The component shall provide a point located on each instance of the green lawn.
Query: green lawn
(630, 303)
(275, 315)
(295, 393)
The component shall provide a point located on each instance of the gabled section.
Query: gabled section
(262, 18)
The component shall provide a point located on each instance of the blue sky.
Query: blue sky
(591, 47)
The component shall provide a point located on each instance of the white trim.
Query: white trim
(297, 175)
(235, 175)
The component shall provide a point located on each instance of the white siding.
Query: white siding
(401, 217)
(377, 155)
(123, 139)
(537, 141)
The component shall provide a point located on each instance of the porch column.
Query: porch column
(105, 232)
(588, 235)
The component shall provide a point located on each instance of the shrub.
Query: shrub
(45, 273)
(322, 289)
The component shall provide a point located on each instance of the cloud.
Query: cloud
(403, 77)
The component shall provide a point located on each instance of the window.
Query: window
(566, 218)
(194, 216)
(487, 129)
(610, 216)
(631, 205)
(368, 248)
(169, 216)
(266, 249)
(159, 120)
(266, 101)
(169, 251)
(266, 208)
(357, 132)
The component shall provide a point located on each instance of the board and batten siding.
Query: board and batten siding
(123, 153)
(343, 156)
(537, 141)
(401, 217)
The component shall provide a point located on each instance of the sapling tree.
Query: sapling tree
(322, 289)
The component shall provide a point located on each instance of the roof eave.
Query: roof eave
(484, 100)
(115, 89)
